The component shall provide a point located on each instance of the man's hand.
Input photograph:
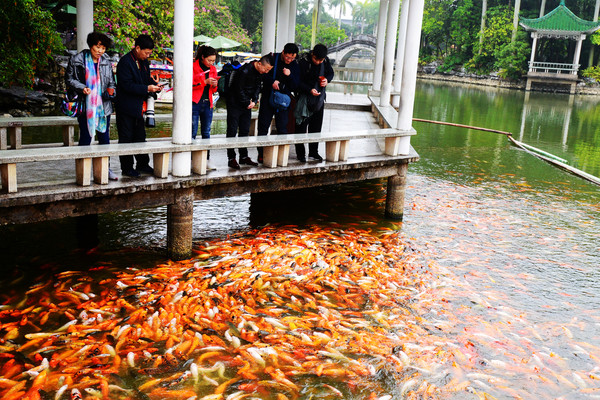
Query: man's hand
(286, 72)
(314, 92)
(154, 88)
(251, 105)
(323, 82)
(276, 85)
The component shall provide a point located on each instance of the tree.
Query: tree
(326, 33)
(343, 6)
(496, 35)
(29, 39)
(436, 24)
(359, 13)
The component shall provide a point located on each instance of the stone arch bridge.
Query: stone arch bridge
(342, 52)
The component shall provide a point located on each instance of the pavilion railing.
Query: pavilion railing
(551, 67)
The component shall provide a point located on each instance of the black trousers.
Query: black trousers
(312, 124)
(132, 130)
(265, 115)
(238, 124)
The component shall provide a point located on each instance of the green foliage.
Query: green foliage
(592, 72)
(512, 58)
(29, 39)
(497, 34)
(327, 34)
(436, 23)
(464, 26)
(213, 18)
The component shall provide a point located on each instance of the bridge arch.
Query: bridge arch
(342, 52)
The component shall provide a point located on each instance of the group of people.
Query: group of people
(90, 75)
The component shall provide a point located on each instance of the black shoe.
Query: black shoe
(316, 156)
(260, 159)
(248, 161)
(145, 169)
(132, 173)
(302, 159)
(233, 164)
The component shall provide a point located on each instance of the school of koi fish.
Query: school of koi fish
(297, 313)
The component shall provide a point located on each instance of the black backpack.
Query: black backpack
(226, 73)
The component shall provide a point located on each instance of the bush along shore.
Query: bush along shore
(585, 86)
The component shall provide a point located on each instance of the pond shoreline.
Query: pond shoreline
(583, 88)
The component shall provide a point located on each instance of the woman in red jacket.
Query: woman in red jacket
(203, 89)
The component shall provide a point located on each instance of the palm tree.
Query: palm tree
(342, 4)
(359, 11)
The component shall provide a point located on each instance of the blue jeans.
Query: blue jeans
(84, 136)
(201, 111)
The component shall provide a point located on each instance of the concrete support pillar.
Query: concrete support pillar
(292, 21)
(183, 59)
(577, 54)
(85, 22)
(396, 189)
(533, 47)
(283, 16)
(180, 224)
(402, 26)
(269, 18)
(390, 46)
(378, 70)
(411, 61)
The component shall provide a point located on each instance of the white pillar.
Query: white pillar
(292, 21)
(183, 59)
(378, 70)
(400, 52)
(283, 16)
(85, 22)
(533, 46)
(577, 53)
(269, 18)
(542, 8)
(411, 61)
(390, 45)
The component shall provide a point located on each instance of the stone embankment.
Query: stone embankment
(429, 72)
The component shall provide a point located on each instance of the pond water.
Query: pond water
(489, 288)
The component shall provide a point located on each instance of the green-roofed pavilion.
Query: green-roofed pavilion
(559, 23)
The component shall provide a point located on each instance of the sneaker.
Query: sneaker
(145, 169)
(132, 173)
(316, 156)
(112, 176)
(233, 164)
(302, 159)
(248, 161)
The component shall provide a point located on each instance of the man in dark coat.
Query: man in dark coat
(315, 74)
(134, 85)
(286, 79)
(241, 97)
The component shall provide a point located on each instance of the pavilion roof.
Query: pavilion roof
(560, 22)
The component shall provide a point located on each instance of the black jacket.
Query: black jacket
(287, 84)
(245, 86)
(309, 74)
(132, 85)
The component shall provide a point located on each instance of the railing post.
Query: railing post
(396, 189)
(180, 223)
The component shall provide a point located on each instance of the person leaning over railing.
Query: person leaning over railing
(89, 73)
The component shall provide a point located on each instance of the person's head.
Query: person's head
(207, 55)
(98, 43)
(318, 53)
(265, 64)
(289, 53)
(143, 47)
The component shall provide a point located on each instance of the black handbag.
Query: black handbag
(278, 100)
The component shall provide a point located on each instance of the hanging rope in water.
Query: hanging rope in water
(550, 158)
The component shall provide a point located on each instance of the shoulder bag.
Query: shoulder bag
(278, 100)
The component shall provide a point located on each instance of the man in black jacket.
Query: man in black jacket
(134, 84)
(241, 97)
(315, 74)
(286, 81)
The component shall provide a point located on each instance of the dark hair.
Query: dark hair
(93, 38)
(290, 48)
(145, 42)
(267, 59)
(205, 51)
(319, 51)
